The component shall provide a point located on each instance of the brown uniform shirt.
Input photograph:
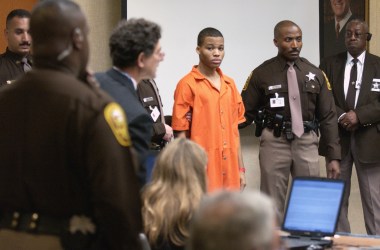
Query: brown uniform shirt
(11, 67)
(269, 80)
(151, 101)
(62, 154)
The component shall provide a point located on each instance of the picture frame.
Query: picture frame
(124, 7)
(331, 43)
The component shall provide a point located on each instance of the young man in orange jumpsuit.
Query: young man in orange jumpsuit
(216, 110)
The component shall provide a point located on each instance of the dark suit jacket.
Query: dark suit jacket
(331, 44)
(140, 123)
(367, 136)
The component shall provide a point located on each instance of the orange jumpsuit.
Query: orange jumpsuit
(214, 124)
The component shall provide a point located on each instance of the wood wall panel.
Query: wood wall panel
(374, 26)
(102, 17)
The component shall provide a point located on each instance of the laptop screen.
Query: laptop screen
(313, 206)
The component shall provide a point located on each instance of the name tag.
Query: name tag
(148, 99)
(375, 85)
(274, 87)
(155, 114)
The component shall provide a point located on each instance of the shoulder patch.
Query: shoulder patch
(247, 82)
(327, 80)
(117, 121)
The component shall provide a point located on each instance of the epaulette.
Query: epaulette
(308, 63)
(267, 62)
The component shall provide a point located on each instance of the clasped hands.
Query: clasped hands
(349, 121)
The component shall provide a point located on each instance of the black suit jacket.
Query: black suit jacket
(140, 123)
(367, 136)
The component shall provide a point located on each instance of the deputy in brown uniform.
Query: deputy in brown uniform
(16, 59)
(162, 133)
(266, 100)
(67, 178)
(150, 98)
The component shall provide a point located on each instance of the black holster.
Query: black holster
(288, 131)
(311, 126)
(278, 120)
(260, 122)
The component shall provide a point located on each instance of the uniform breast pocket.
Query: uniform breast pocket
(277, 97)
(311, 87)
(280, 89)
(149, 101)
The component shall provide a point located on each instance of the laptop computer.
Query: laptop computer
(312, 212)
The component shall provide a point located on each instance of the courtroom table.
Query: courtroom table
(356, 241)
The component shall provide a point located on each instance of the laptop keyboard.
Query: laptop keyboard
(303, 243)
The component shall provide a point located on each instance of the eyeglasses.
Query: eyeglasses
(356, 34)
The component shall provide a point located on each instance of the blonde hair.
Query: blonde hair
(177, 186)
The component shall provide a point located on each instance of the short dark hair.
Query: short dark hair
(17, 13)
(130, 38)
(279, 25)
(207, 32)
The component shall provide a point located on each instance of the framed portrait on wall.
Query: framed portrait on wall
(123, 9)
(333, 18)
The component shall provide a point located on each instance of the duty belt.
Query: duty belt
(307, 125)
(281, 126)
(154, 146)
(36, 223)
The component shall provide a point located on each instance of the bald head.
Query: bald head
(59, 29)
(288, 40)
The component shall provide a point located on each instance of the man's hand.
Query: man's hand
(333, 169)
(349, 121)
(168, 134)
(242, 181)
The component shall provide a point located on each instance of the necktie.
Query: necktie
(337, 30)
(351, 92)
(294, 102)
(26, 66)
